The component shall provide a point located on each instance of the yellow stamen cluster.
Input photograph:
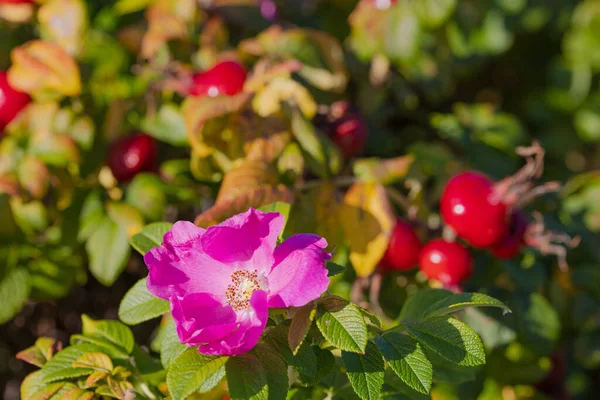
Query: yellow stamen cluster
(243, 284)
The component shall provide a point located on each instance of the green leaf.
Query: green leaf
(275, 369)
(108, 347)
(365, 372)
(167, 125)
(325, 365)
(194, 372)
(415, 306)
(281, 208)
(304, 361)
(170, 347)
(342, 323)
(14, 291)
(460, 301)
(450, 338)
(537, 322)
(150, 237)
(113, 331)
(60, 367)
(92, 215)
(334, 269)
(108, 251)
(94, 360)
(140, 305)
(300, 325)
(246, 378)
(146, 192)
(407, 360)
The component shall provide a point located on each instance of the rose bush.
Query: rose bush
(320, 196)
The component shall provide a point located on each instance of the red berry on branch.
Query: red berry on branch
(510, 246)
(131, 155)
(11, 101)
(225, 78)
(346, 128)
(447, 262)
(403, 250)
(471, 207)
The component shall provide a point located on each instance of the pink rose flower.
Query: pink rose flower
(221, 281)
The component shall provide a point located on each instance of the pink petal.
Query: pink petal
(252, 322)
(245, 240)
(180, 266)
(299, 274)
(201, 319)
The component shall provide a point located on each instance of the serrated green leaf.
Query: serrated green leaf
(334, 269)
(31, 384)
(38, 354)
(14, 291)
(94, 360)
(342, 323)
(246, 378)
(275, 369)
(150, 237)
(60, 367)
(325, 365)
(108, 251)
(194, 372)
(140, 305)
(304, 361)
(113, 331)
(300, 325)
(108, 347)
(170, 347)
(537, 322)
(407, 360)
(365, 372)
(450, 338)
(460, 301)
(415, 306)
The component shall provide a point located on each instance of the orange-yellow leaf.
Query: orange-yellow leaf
(43, 68)
(64, 22)
(367, 220)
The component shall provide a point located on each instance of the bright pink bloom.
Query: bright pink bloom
(222, 281)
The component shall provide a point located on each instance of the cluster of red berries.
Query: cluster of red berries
(484, 214)
(137, 153)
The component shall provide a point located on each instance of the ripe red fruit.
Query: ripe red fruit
(225, 78)
(470, 206)
(16, 1)
(447, 262)
(131, 155)
(510, 246)
(403, 250)
(345, 127)
(11, 101)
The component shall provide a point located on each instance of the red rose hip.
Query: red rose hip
(346, 128)
(131, 155)
(470, 206)
(447, 262)
(510, 246)
(225, 78)
(403, 250)
(11, 101)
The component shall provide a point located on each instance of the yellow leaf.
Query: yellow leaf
(382, 171)
(328, 203)
(44, 69)
(367, 220)
(254, 198)
(245, 176)
(65, 23)
(206, 123)
(16, 13)
(167, 20)
(268, 100)
(126, 216)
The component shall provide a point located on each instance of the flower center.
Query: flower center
(243, 284)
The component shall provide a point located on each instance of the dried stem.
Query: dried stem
(548, 242)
